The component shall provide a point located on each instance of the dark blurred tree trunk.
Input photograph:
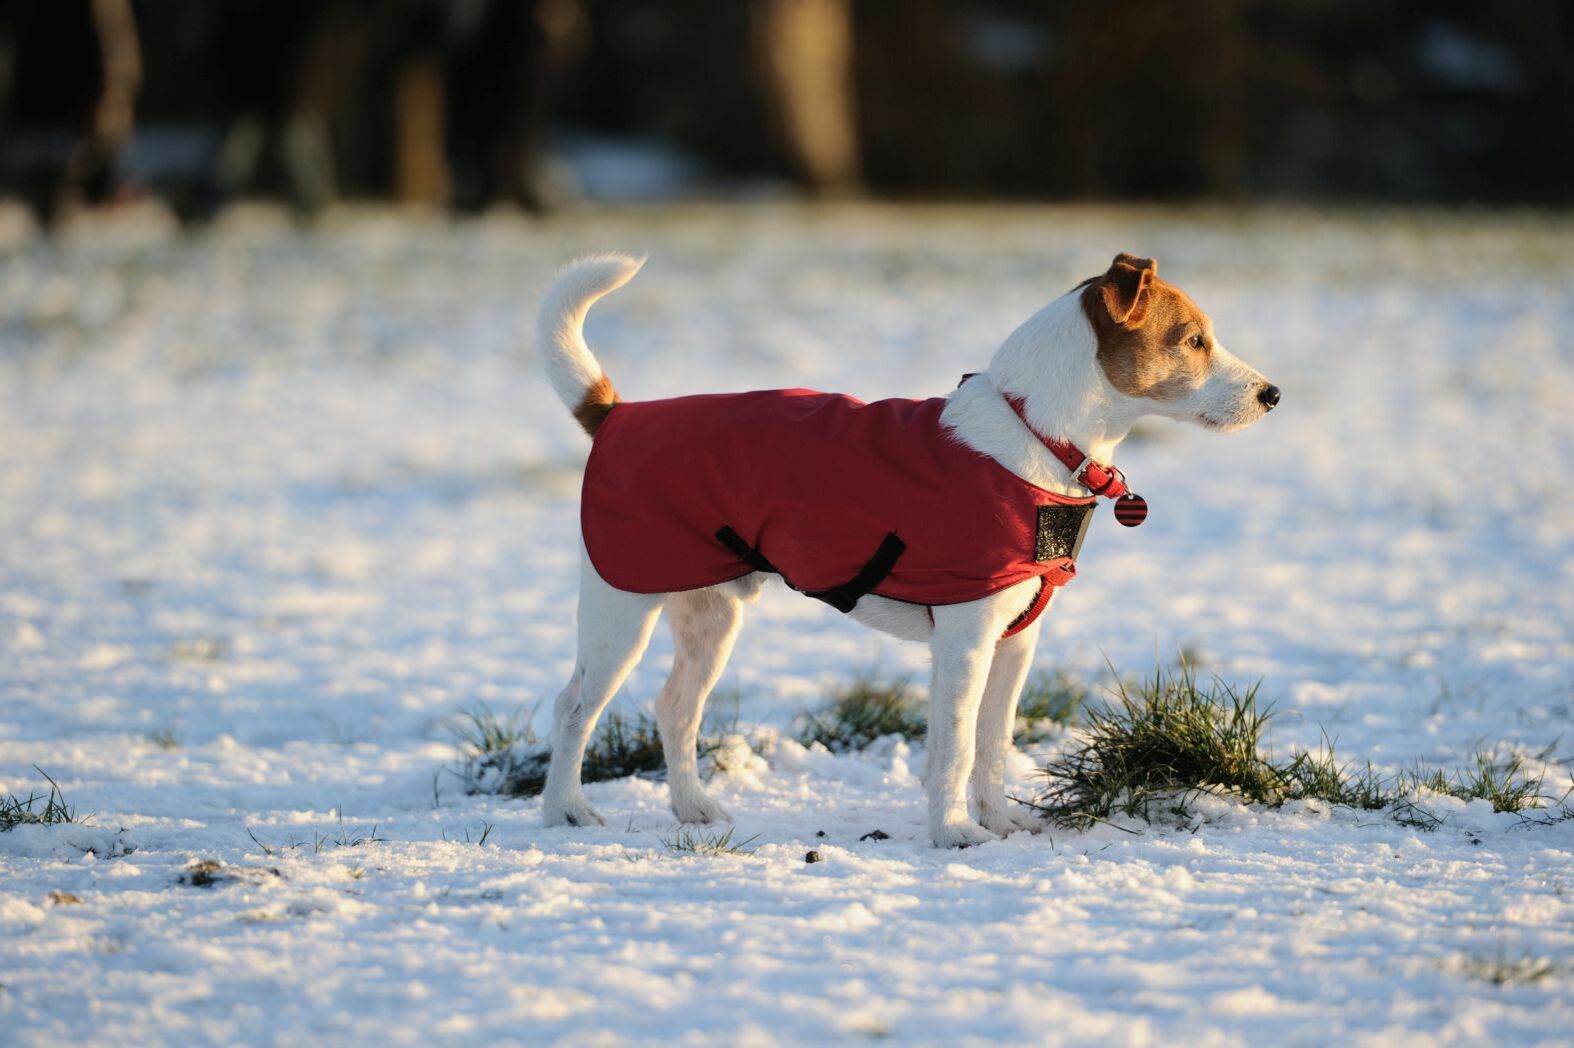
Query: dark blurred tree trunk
(807, 47)
(421, 163)
(331, 65)
(503, 74)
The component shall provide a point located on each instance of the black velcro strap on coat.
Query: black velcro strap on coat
(845, 596)
(743, 551)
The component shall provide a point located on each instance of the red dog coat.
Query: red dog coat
(840, 497)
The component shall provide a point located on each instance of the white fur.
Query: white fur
(571, 367)
(1050, 362)
(1228, 399)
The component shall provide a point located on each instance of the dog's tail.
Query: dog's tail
(575, 373)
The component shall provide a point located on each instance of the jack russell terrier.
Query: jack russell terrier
(949, 521)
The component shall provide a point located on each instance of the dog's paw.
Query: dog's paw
(1009, 819)
(575, 811)
(697, 806)
(960, 833)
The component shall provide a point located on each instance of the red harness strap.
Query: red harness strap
(1030, 616)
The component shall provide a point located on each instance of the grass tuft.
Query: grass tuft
(1049, 701)
(622, 746)
(1168, 739)
(1505, 783)
(1562, 813)
(1158, 742)
(1320, 776)
(36, 809)
(497, 754)
(862, 712)
(701, 842)
(479, 732)
(502, 755)
(355, 837)
(346, 837)
(478, 840)
(1504, 970)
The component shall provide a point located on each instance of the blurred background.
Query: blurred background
(542, 104)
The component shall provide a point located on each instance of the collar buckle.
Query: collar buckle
(1114, 481)
(1078, 474)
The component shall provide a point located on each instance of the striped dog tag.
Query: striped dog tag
(1131, 509)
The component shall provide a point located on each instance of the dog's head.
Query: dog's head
(1156, 347)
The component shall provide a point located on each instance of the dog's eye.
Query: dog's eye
(1196, 342)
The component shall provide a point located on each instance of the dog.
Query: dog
(948, 521)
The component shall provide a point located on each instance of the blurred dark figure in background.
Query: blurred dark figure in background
(82, 97)
(424, 101)
(471, 103)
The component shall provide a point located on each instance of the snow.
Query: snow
(289, 500)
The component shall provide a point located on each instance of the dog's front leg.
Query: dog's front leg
(996, 727)
(962, 648)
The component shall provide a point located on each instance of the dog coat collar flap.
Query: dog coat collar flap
(839, 497)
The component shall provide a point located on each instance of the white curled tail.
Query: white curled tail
(575, 373)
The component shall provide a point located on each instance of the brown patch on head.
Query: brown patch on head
(597, 403)
(1147, 331)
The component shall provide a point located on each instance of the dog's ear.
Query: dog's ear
(1123, 287)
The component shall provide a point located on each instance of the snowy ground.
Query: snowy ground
(288, 501)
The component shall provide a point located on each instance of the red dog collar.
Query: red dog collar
(1102, 480)
(1105, 481)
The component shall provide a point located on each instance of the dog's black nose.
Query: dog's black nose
(1269, 397)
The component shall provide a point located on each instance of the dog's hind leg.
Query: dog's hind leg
(997, 716)
(704, 625)
(614, 628)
